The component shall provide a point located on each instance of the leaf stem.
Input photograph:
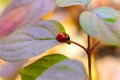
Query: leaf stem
(89, 43)
(88, 50)
(79, 46)
(89, 57)
(95, 45)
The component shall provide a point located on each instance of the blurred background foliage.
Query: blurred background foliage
(106, 59)
(3, 4)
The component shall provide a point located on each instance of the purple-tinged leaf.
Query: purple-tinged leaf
(65, 70)
(65, 3)
(89, 27)
(9, 71)
(21, 12)
(36, 8)
(30, 40)
(10, 22)
(34, 70)
(107, 14)
(116, 28)
(102, 23)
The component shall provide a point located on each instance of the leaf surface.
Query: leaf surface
(64, 3)
(34, 70)
(30, 40)
(65, 70)
(102, 23)
(21, 12)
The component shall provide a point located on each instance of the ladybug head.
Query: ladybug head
(63, 37)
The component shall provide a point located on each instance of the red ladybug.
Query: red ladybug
(63, 37)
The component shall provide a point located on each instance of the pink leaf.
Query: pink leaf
(37, 8)
(11, 21)
(21, 12)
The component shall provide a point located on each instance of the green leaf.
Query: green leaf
(89, 27)
(30, 40)
(34, 70)
(102, 23)
(116, 28)
(65, 70)
(64, 3)
(110, 20)
(108, 14)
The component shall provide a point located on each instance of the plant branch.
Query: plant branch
(89, 43)
(89, 56)
(88, 51)
(79, 46)
(95, 45)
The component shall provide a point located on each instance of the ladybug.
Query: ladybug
(63, 37)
